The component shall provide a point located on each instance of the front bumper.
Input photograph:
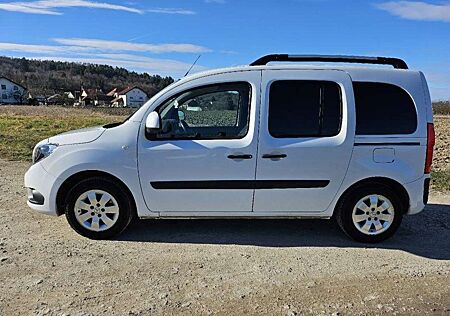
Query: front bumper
(42, 189)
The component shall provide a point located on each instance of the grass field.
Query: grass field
(21, 127)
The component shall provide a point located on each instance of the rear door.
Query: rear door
(306, 139)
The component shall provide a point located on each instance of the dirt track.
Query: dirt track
(201, 267)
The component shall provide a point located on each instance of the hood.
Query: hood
(79, 136)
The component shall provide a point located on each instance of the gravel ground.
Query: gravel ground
(218, 267)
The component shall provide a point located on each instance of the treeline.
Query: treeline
(51, 77)
(441, 107)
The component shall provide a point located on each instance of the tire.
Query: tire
(98, 208)
(375, 223)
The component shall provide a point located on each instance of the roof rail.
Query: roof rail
(395, 62)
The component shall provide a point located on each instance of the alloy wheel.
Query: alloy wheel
(96, 210)
(373, 214)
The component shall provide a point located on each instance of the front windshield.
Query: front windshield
(111, 125)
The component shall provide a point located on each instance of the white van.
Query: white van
(279, 141)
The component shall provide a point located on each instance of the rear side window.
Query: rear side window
(304, 108)
(383, 109)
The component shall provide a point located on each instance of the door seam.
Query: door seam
(258, 108)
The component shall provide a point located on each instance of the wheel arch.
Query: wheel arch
(65, 187)
(388, 182)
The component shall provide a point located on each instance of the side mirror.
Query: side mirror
(181, 116)
(153, 123)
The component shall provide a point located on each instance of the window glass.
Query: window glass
(304, 108)
(15, 88)
(4, 96)
(382, 109)
(210, 112)
(3, 87)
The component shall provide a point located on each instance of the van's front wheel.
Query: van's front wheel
(98, 208)
(370, 214)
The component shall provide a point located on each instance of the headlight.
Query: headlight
(43, 151)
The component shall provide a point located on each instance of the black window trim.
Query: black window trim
(205, 86)
(320, 115)
(390, 134)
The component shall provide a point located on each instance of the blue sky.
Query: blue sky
(165, 36)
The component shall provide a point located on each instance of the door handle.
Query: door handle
(240, 157)
(274, 156)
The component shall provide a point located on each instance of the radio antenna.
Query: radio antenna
(187, 73)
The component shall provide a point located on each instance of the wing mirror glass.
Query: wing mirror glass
(153, 123)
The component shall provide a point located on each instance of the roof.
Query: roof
(395, 62)
(126, 90)
(93, 92)
(381, 71)
(17, 84)
(111, 93)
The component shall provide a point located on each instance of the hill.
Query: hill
(49, 77)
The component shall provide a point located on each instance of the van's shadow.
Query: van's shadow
(426, 234)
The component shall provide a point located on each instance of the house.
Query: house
(70, 95)
(55, 99)
(131, 97)
(94, 97)
(11, 92)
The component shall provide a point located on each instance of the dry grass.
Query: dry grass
(21, 127)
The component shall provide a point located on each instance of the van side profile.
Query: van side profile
(258, 141)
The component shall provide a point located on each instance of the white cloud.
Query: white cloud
(135, 47)
(20, 7)
(41, 49)
(416, 10)
(171, 11)
(49, 6)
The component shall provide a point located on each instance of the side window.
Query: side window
(4, 96)
(304, 108)
(211, 112)
(383, 109)
(15, 88)
(3, 87)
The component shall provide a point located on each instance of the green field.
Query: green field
(22, 127)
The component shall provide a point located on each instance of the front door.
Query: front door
(306, 139)
(204, 158)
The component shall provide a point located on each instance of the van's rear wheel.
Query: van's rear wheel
(98, 208)
(370, 214)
